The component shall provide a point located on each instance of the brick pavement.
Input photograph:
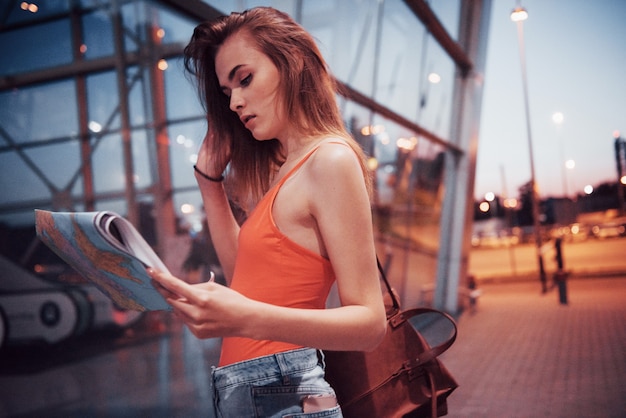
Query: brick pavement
(522, 354)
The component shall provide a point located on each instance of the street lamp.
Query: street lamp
(570, 165)
(519, 15)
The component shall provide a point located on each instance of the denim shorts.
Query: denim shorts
(273, 386)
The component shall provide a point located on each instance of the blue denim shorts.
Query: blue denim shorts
(273, 386)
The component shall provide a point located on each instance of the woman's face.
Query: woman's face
(251, 81)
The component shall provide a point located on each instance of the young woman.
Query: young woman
(275, 133)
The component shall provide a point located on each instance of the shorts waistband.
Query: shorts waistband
(279, 365)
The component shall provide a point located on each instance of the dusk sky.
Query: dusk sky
(576, 65)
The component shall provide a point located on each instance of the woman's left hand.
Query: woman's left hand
(208, 309)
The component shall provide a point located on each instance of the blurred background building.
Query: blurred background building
(96, 113)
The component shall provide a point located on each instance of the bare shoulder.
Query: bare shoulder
(334, 157)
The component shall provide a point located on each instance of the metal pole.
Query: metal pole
(620, 156)
(83, 117)
(123, 91)
(533, 183)
(162, 187)
(557, 118)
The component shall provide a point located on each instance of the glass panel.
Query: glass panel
(108, 165)
(407, 199)
(139, 100)
(181, 95)
(227, 6)
(348, 40)
(448, 12)
(436, 91)
(88, 4)
(31, 11)
(35, 47)
(408, 55)
(18, 219)
(48, 158)
(98, 34)
(408, 183)
(185, 139)
(103, 101)
(43, 112)
(18, 182)
(141, 159)
(117, 205)
(134, 21)
(400, 64)
(175, 28)
(193, 216)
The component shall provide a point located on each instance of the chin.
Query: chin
(261, 137)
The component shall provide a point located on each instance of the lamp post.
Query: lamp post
(519, 15)
(558, 118)
(620, 157)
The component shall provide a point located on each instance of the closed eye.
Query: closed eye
(246, 80)
(243, 83)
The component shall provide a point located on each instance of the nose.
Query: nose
(236, 100)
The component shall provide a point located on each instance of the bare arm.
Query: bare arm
(221, 222)
(220, 219)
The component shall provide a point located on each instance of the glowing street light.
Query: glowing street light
(434, 78)
(558, 118)
(519, 15)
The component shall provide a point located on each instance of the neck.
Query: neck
(297, 148)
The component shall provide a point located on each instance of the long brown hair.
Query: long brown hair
(307, 91)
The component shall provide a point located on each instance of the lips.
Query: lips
(246, 119)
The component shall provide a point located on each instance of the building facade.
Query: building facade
(96, 113)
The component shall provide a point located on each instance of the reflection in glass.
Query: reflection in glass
(141, 159)
(17, 182)
(108, 165)
(67, 153)
(185, 142)
(97, 34)
(103, 100)
(35, 47)
(38, 113)
(32, 11)
(181, 95)
(379, 48)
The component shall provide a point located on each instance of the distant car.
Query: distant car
(609, 230)
(33, 309)
(495, 239)
(571, 233)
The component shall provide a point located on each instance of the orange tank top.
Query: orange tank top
(271, 268)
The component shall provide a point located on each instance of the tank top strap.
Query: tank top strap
(305, 158)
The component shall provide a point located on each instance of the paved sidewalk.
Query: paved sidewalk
(523, 354)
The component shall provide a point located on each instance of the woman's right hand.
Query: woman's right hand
(209, 309)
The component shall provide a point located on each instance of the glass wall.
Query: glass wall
(79, 123)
